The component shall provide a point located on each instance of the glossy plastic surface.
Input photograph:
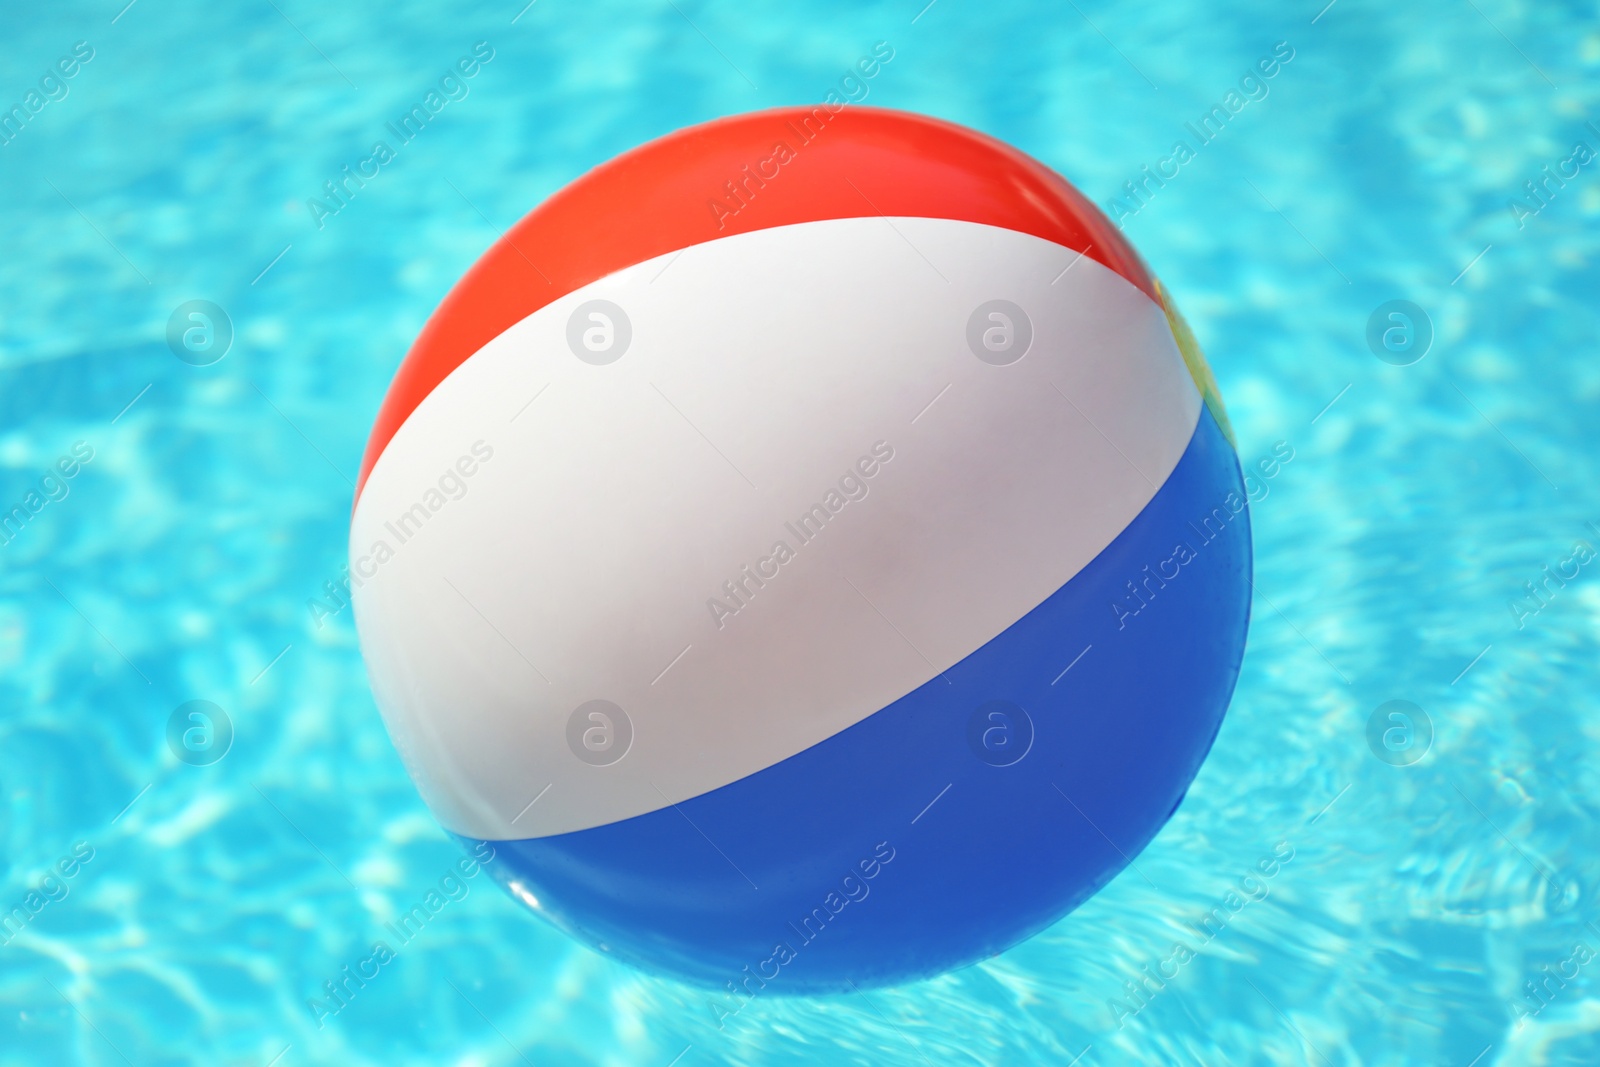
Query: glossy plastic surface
(724, 178)
(985, 853)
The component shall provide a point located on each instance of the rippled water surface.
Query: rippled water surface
(1410, 906)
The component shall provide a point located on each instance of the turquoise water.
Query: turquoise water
(1411, 900)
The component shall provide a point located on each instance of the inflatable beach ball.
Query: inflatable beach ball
(808, 550)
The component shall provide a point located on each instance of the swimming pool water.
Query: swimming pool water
(1335, 907)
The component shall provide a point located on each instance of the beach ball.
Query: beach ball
(807, 552)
